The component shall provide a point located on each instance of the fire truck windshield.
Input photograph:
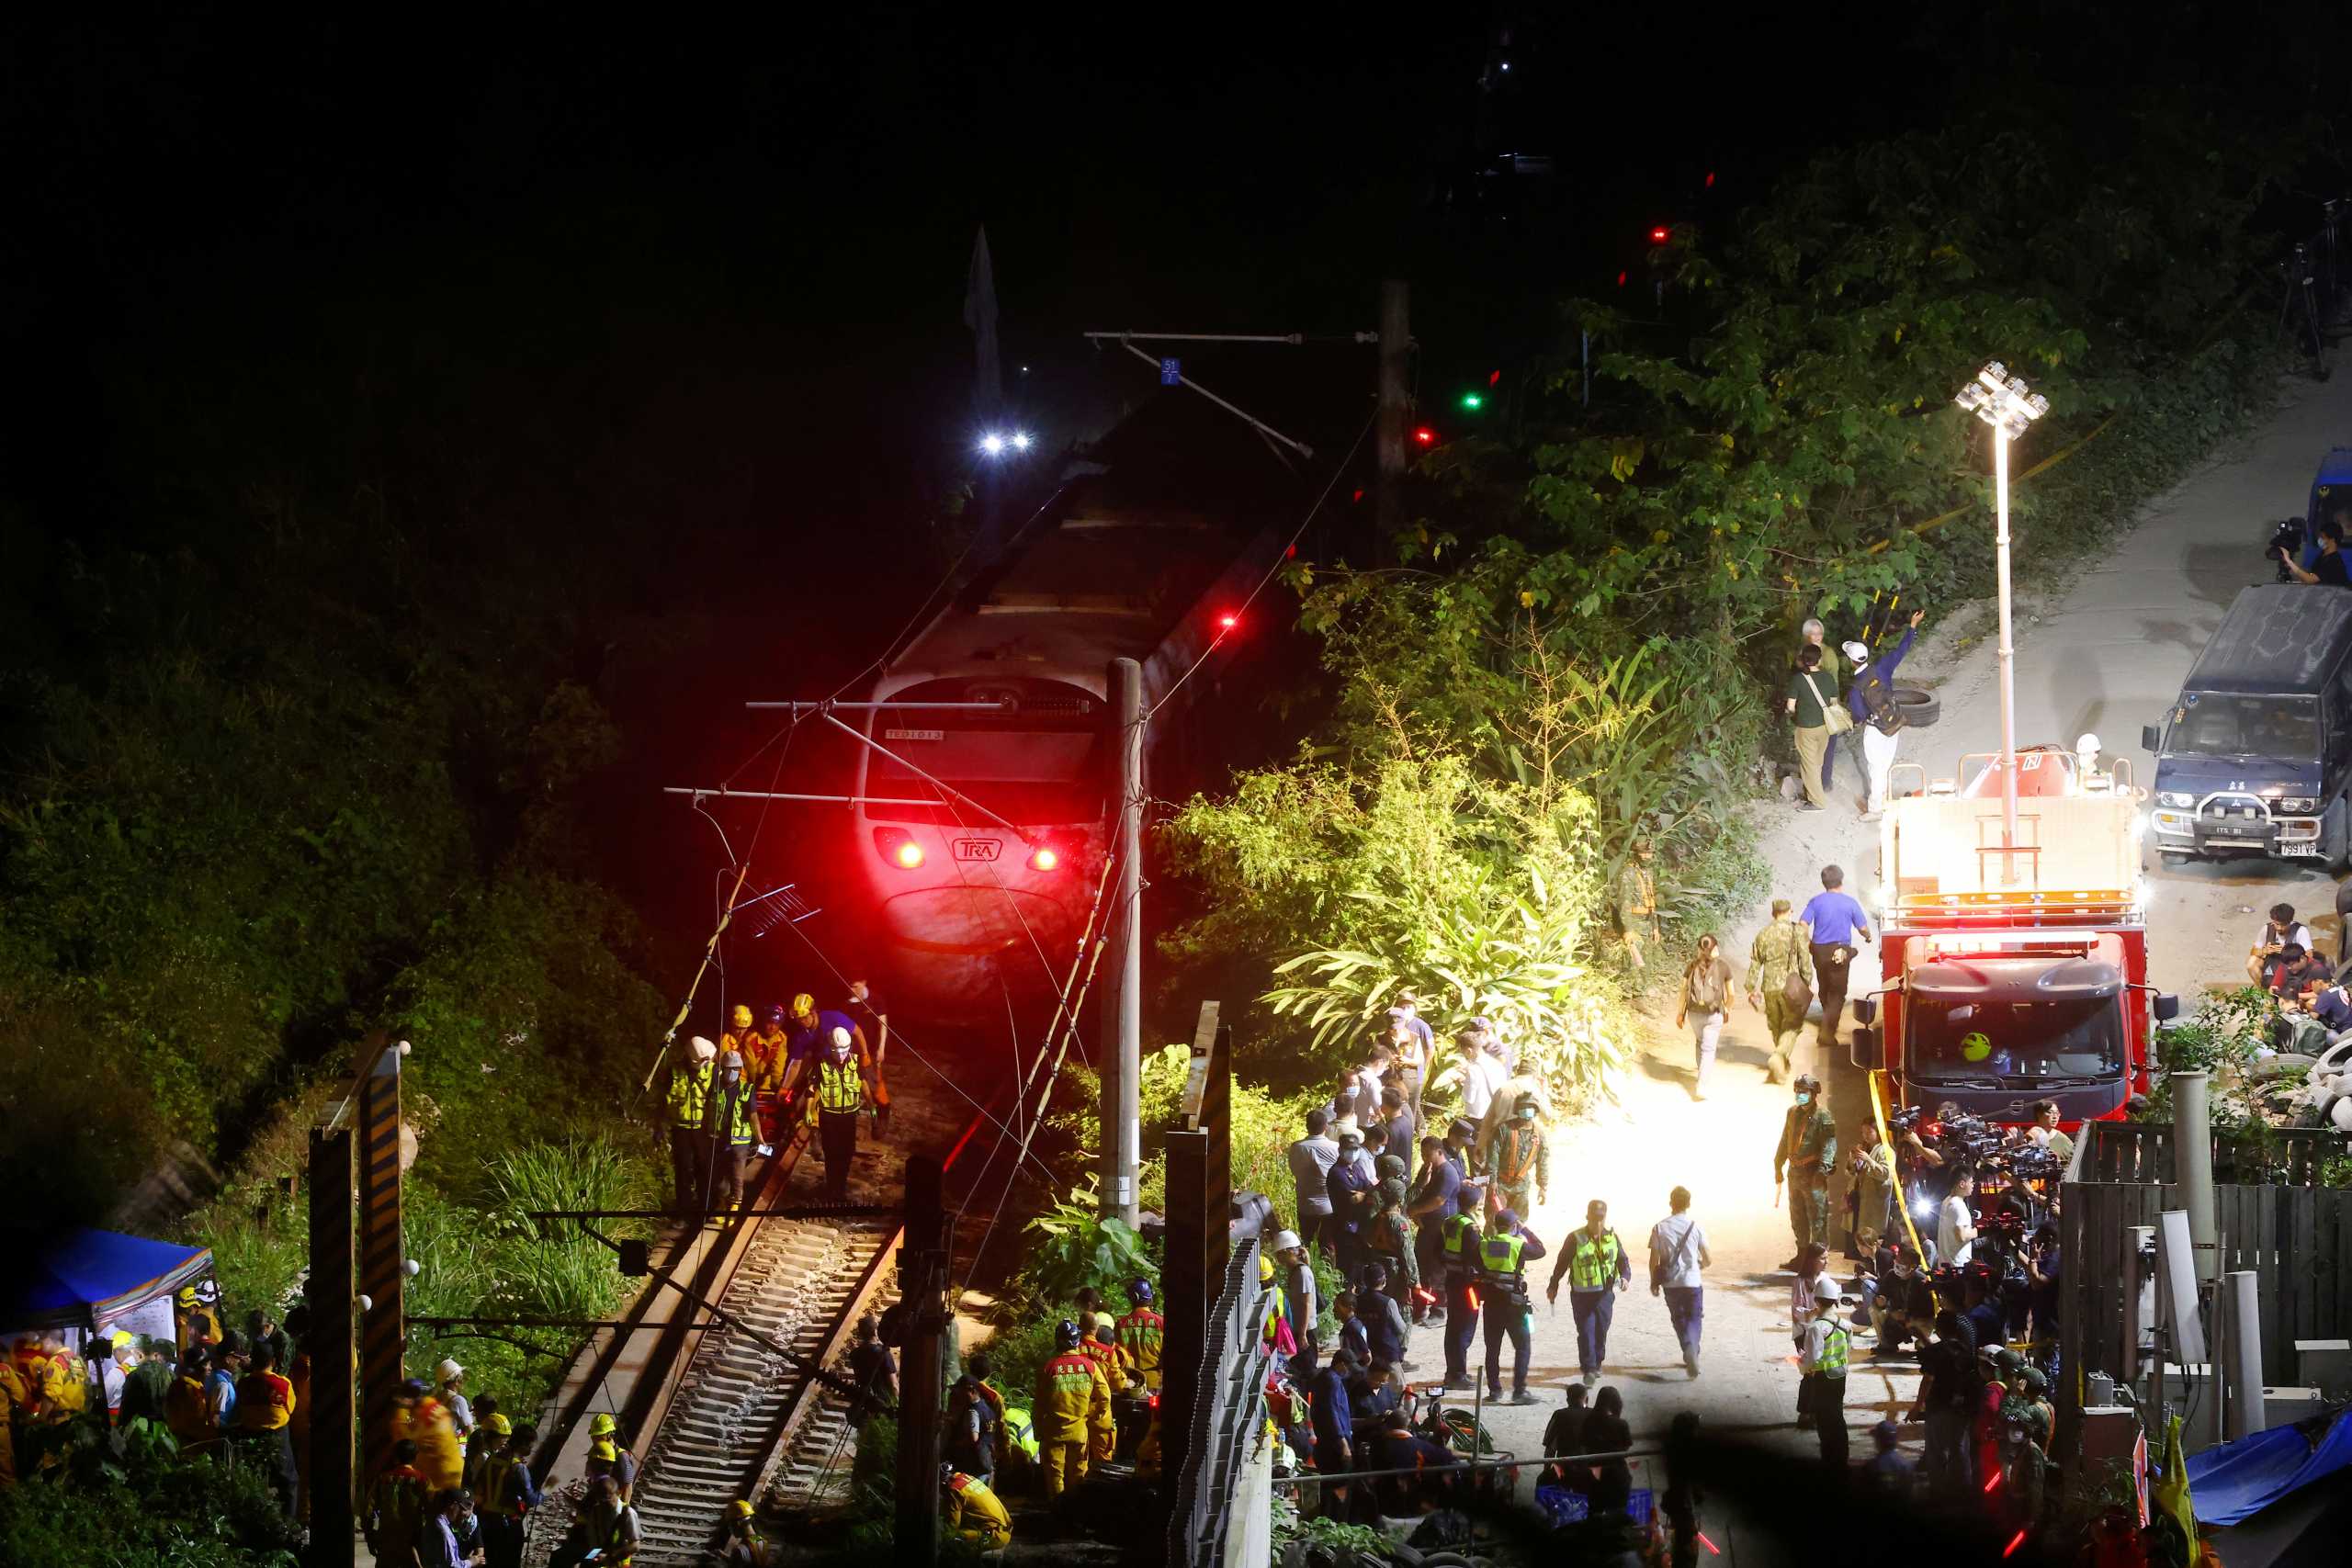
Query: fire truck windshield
(1950, 1039)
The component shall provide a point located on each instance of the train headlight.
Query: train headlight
(1044, 857)
(898, 847)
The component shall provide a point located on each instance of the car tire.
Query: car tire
(2335, 841)
(1919, 709)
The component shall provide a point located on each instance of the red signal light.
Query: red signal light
(1229, 621)
(1424, 436)
(1494, 378)
(1044, 857)
(1621, 281)
(1659, 235)
(1711, 179)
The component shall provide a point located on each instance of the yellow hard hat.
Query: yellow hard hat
(603, 1449)
(599, 1426)
(186, 1297)
(804, 1005)
(500, 1425)
(740, 1509)
(742, 1016)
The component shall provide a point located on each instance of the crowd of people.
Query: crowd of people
(768, 1076)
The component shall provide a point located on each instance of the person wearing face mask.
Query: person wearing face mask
(1903, 1305)
(1807, 1151)
(838, 1092)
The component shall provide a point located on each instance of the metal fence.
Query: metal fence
(1226, 1416)
(2296, 1240)
(2142, 1151)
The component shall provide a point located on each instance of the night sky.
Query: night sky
(711, 265)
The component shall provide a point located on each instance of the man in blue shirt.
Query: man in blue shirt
(1878, 722)
(1838, 925)
(1334, 1429)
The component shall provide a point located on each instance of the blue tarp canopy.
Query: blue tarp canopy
(85, 1278)
(2236, 1480)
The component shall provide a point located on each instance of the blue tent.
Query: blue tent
(2238, 1478)
(86, 1277)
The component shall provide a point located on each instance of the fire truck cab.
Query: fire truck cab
(2008, 976)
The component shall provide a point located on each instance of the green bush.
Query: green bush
(116, 1502)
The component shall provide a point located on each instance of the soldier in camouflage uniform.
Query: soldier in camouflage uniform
(1781, 949)
(1807, 1155)
(1638, 902)
(1518, 1162)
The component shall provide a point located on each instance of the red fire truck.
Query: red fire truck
(2012, 975)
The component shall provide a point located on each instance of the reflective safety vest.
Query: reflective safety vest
(1019, 1431)
(1459, 1239)
(497, 1471)
(840, 1086)
(689, 1086)
(1593, 1265)
(1499, 1258)
(1833, 1354)
(732, 1116)
(1141, 1333)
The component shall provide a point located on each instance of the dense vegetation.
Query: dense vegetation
(1574, 646)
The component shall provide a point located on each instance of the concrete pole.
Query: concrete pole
(1395, 396)
(921, 1277)
(2192, 1165)
(2242, 1354)
(2008, 659)
(1122, 1030)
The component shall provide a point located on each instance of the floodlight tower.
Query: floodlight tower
(2005, 403)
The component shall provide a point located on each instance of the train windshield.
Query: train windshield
(1039, 762)
(1950, 1039)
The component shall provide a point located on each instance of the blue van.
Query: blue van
(2253, 758)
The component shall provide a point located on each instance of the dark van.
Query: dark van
(2253, 757)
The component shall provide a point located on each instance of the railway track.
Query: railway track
(736, 1417)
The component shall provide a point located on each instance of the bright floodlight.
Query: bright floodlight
(992, 443)
(2002, 400)
(1020, 441)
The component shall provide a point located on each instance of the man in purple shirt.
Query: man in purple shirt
(1838, 924)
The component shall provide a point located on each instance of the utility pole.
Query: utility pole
(1395, 395)
(333, 1285)
(1121, 1031)
(922, 1274)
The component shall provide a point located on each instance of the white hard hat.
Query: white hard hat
(1825, 1292)
(841, 1036)
(1285, 1240)
(449, 1370)
(1858, 652)
(703, 1049)
(2087, 742)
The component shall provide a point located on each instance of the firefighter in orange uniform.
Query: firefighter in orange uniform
(1141, 1333)
(1070, 1391)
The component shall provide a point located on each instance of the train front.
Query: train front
(979, 834)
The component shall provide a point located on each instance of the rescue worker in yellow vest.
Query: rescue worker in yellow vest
(744, 1546)
(1458, 1254)
(1071, 1390)
(394, 1518)
(1594, 1262)
(508, 1494)
(974, 1513)
(1141, 1333)
(689, 1149)
(734, 1130)
(739, 1034)
(1504, 1253)
(1821, 1395)
(767, 1062)
(606, 1526)
(838, 1090)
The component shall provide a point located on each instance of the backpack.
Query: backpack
(1878, 700)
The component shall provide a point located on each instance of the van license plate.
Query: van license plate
(2300, 847)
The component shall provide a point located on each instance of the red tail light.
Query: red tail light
(1044, 857)
(898, 847)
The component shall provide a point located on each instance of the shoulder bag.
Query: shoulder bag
(1834, 714)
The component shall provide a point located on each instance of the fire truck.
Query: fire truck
(2013, 974)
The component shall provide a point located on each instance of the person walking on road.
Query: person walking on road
(1811, 704)
(1706, 998)
(1504, 1253)
(689, 1147)
(1458, 1251)
(1878, 718)
(1805, 1155)
(1821, 1395)
(839, 1091)
(1677, 1252)
(1780, 983)
(1311, 1159)
(1597, 1269)
(1817, 637)
(1837, 926)
(1518, 1162)
(1637, 903)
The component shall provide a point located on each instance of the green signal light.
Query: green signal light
(1473, 400)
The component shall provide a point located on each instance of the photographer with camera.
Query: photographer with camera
(2329, 570)
(1871, 1190)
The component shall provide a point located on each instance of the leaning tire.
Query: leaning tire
(2334, 838)
(1919, 709)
